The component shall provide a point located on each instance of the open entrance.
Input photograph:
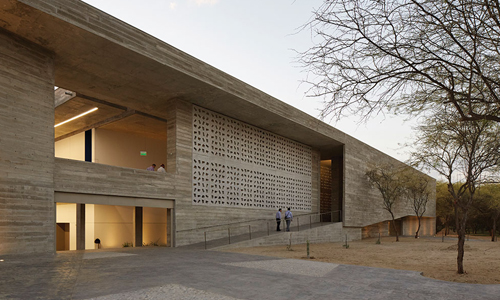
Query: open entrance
(331, 189)
(62, 236)
(80, 225)
(93, 130)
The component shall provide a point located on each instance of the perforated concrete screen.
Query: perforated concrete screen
(239, 165)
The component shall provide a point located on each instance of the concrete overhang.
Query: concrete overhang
(108, 116)
(105, 58)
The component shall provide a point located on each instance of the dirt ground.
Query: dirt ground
(436, 259)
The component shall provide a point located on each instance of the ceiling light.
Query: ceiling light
(74, 118)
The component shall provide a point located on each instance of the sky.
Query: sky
(256, 42)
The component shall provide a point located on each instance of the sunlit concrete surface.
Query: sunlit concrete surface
(178, 273)
(289, 266)
(95, 255)
(170, 291)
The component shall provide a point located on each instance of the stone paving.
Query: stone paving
(179, 273)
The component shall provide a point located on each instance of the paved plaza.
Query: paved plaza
(180, 273)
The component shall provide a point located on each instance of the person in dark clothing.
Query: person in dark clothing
(278, 220)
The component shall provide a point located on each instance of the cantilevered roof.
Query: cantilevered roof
(104, 58)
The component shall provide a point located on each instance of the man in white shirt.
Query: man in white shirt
(278, 220)
(161, 168)
(288, 219)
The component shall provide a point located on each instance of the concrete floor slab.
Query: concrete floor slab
(167, 273)
(94, 255)
(170, 291)
(289, 266)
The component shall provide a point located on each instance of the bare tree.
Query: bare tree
(444, 205)
(386, 179)
(489, 205)
(406, 56)
(418, 192)
(463, 153)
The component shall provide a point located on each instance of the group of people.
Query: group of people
(160, 169)
(288, 219)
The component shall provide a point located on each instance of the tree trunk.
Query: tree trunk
(447, 227)
(394, 226)
(494, 228)
(418, 228)
(460, 224)
(460, 256)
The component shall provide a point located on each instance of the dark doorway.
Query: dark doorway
(62, 236)
(331, 191)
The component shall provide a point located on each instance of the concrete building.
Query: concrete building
(232, 153)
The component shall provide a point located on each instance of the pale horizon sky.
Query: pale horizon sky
(254, 41)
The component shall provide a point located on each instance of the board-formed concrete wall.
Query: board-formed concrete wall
(363, 202)
(177, 184)
(189, 216)
(76, 32)
(27, 221)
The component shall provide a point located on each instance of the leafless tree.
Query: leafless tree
(405, 56)
(463, 153)
(385, 178)
(489, 205)
(417, 190)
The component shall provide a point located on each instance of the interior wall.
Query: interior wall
(326, 186)
(72, 147)
(337, 183)
(89, 226)
(410, 225)
(66, 213)
(123, 149)
(62, 236)
(113, 225)
(154, 226)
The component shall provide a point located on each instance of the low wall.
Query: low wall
(374, 230)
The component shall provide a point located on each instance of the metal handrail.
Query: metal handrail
(236, 226)
(255, 220)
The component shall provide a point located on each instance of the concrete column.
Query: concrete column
(138, 223)
(180, 162)
(27, 210)
(316, 181)
(170, 228)
(179, 138)
(80, 226)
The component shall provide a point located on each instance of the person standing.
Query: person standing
(278, 220)
(162, 168)
(288, 219)
(151, 168)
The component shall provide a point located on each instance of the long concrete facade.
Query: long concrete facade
(233, 153)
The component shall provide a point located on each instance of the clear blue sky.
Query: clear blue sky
(253, 41)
